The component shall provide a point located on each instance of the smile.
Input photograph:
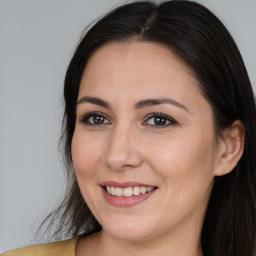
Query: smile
(128, 192)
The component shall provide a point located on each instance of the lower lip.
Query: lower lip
(123, 201)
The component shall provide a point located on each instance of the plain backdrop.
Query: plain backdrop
(37, 39)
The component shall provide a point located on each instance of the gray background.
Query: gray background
(37, 39)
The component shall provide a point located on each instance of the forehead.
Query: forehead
(140, 56)
(139, 64)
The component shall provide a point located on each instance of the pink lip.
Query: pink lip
(123, 201)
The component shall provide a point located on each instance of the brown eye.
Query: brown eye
(159, 121)
(95, 119)
(98, 119)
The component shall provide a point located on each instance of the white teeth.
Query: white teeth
(136, 191)
(149, 189)
(109, 189)
(119, 191)
(112, 191)
(127, 192)
(143, 190)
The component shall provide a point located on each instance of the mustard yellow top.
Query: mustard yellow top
(63, 248)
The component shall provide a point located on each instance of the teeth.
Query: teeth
(127, 192)
(149, 189)
(143, 190)
(112, 191)
(136, 191)
(118, 191)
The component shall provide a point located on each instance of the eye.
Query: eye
(159, 119)
(94, 119)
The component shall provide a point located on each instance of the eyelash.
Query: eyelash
(85, 118)
(162, 116)
(165, 118)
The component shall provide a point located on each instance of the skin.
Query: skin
(180, 158)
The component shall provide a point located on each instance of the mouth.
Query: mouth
(128, 191)
(126, 194)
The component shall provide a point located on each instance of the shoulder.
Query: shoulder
(63, 248)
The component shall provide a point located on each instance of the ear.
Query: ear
(231, 148)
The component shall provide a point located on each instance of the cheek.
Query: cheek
(86, 159)
(186, 172)
(185, 162)
(85, 155)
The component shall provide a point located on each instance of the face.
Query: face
(144, 148)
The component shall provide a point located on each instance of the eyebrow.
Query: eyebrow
(152, 102)
(140, 104)
(95, 101)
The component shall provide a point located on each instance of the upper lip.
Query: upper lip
(112, 183)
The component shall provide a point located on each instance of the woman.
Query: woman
(159, 126)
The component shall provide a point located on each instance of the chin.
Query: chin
(130, 237)
(130, 231)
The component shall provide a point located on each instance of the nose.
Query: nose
(122, 150)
